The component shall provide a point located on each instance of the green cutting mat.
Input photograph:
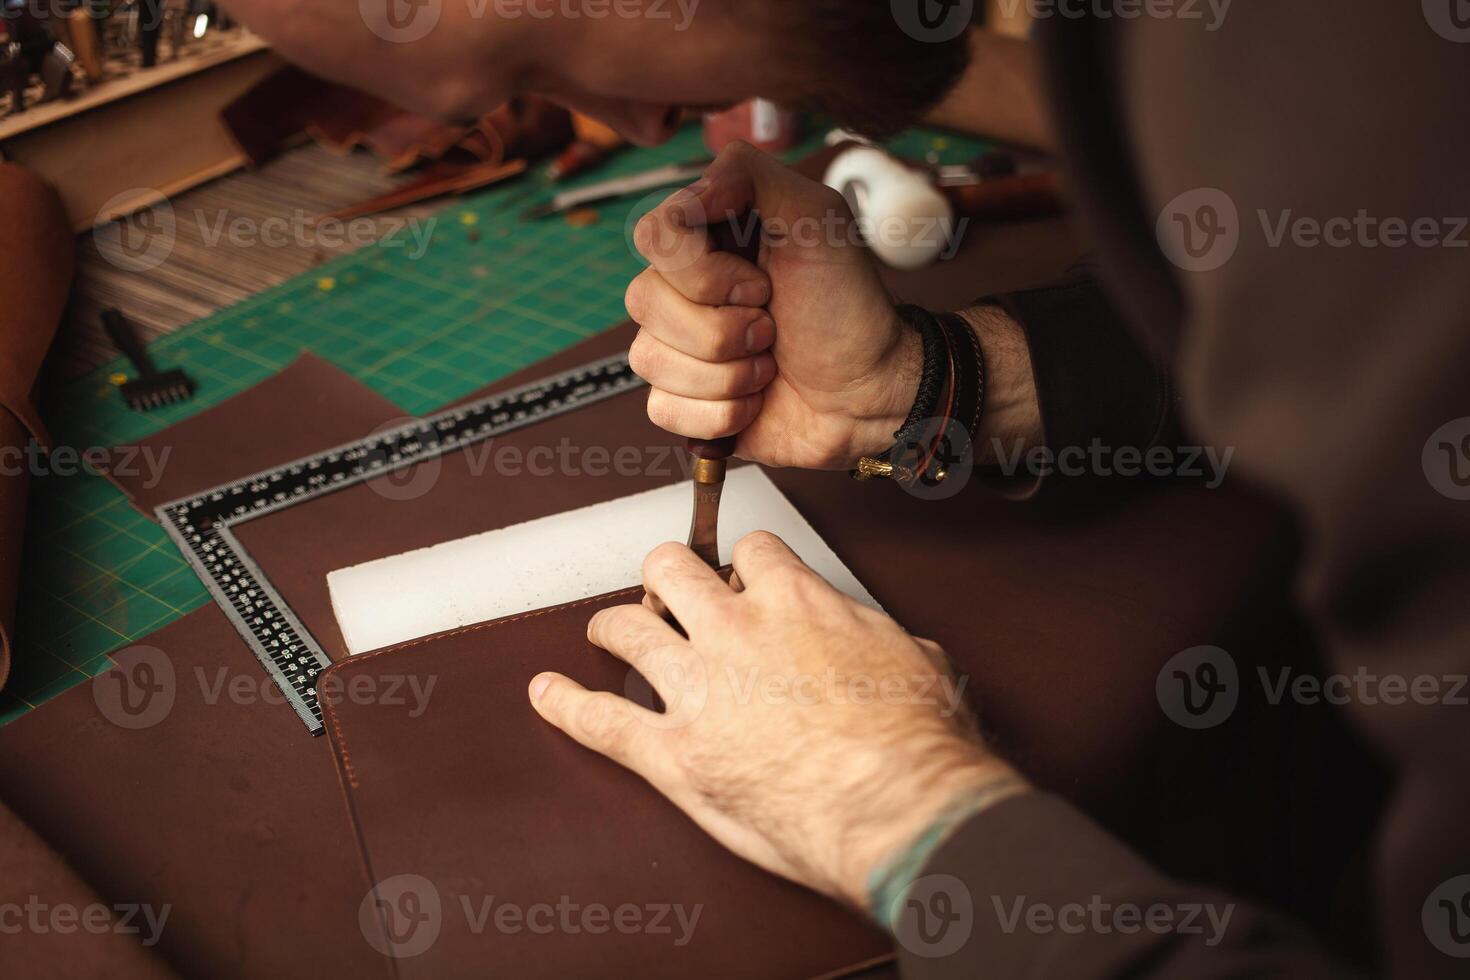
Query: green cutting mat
(490, 295)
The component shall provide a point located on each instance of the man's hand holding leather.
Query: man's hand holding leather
(805, 731)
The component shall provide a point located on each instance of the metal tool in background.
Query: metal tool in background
(152, 388)
(201, 524)
(607, 190)
(918, 213)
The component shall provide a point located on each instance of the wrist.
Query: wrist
(1011, 411)
(896, 384)
(1012, 408)
(890, 843)
(891, 880)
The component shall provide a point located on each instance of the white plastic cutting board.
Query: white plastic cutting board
(562, 558)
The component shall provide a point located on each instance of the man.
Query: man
(1279, 201)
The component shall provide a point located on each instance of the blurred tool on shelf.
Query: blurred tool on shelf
(911, 214)
(47, 56)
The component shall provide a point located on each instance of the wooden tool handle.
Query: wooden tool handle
(712, 449)
(1035, 195)
(120, 330)
(742, 237)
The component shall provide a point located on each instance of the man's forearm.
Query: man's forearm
(1012, 411)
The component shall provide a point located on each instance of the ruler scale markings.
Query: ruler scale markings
(200, 524)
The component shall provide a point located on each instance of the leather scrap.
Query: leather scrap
(57, 928)
(180, 778)
(309, 406)
(291, 104)
(35, 239)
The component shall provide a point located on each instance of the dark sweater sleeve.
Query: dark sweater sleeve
(1032, 888)
(1339, 371)
(1099, 389)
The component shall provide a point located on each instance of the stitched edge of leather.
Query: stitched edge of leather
(329, 709)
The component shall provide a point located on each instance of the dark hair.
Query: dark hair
(872, 75)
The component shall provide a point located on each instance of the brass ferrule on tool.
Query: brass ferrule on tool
(709, 470)
(709, 483)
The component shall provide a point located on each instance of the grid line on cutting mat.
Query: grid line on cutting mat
(491, 294)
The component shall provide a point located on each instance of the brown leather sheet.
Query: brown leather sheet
(309, 406)
(57, 927)
(530, 855)
(220, 804)
(35, 239)
(1062, 621)
(179, 778)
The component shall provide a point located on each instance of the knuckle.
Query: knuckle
(638, 297)
(755, 546)
(736, 151)
(788, 576)
(830, 201)
(643, 356)
(702, 283)
(645, 234)
(737, 379)
(727, 417)
(725, 341)
(664, 412)
(791, 578)
(665, 557)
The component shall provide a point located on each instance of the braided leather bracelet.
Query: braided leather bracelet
(946, 412)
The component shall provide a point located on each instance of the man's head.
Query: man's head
(632, 63)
